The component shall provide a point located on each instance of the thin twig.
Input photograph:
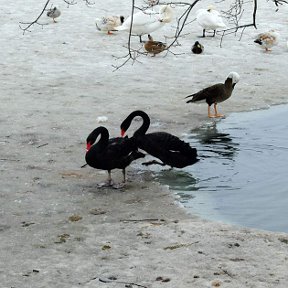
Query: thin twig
(121, 282)
(42, 145)
(141, 220)
(29, 24)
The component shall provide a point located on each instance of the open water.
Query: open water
(242, 177)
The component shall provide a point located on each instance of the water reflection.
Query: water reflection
(212, 143)
(177, 180)
(241, 177)
(215, 148)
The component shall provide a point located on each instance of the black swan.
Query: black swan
(168, 148)
(216, 93)
(108, 154)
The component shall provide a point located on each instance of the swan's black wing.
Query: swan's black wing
(168, 148)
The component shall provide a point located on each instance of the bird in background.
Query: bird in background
(152, 2)
(164, 146)
(216, 93)
(110, 153)
(147, 21)
(267, 40)
(54, 13)
(197, 48)
(209, 19)
(154, 47)
(108, 23)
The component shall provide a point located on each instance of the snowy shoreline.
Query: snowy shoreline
(57, 228)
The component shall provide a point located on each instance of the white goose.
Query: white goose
(147, 21)
(108, 23)
(209, 19)
(267, 40)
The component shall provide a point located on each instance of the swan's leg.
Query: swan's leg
(120, 185)
(108, 182)
(124, 175)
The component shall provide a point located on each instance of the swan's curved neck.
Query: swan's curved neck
(104, 137)
(145, 125)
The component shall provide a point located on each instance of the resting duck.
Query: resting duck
(209, 19)
(154, 47)
(147, 21)
(108, 154)
(166, 147)
(267, 40)
(216, 93)
(108, 23)
(197, 48)
(152, 2)
(54, 13)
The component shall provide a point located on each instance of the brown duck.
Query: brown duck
(216, 93)
(154, 47)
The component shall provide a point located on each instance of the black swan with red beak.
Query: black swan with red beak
(108, 154)
(168, 148)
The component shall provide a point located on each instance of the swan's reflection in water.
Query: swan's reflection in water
(214, 148)
(212, 143)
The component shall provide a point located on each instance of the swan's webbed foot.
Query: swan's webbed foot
(111, 184)
(106, 184)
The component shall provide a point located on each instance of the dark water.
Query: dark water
(242, 177)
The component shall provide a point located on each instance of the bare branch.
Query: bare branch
(89, 3)
(29, 24)
(280, 2)
(70, 2)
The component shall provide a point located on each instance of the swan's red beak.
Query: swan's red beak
(122, 132)
(88, 146)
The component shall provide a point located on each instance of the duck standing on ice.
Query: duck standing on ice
(216, 93)
(154, 47)
(54, 13)
(107, 24)
(209, 19)
(267, 40)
